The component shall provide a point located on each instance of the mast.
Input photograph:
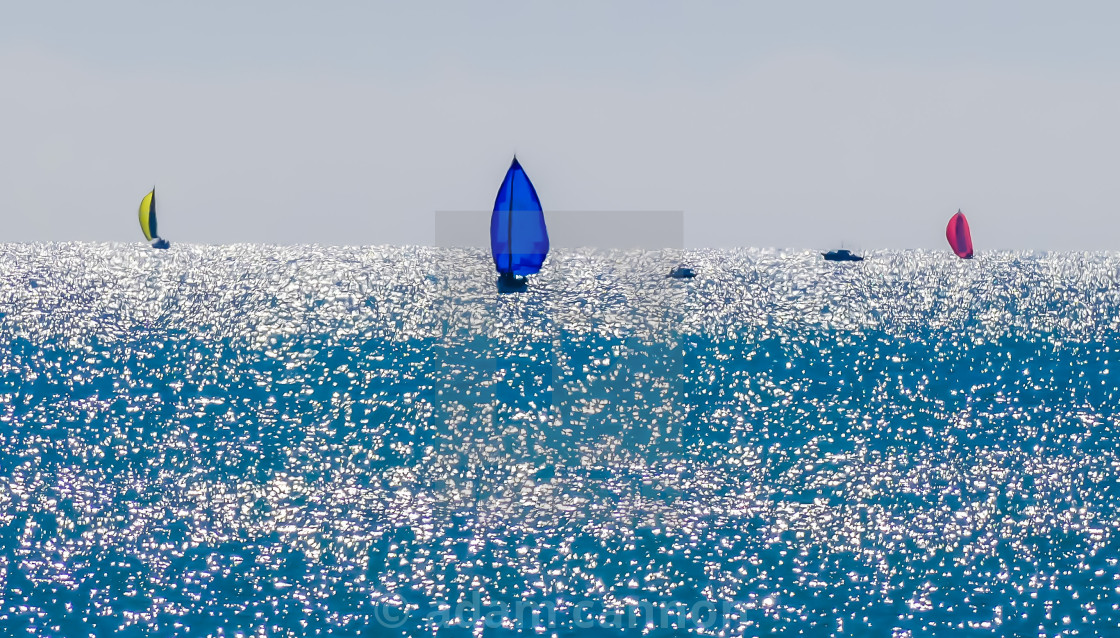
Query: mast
(509, 223)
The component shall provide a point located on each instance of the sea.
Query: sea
(252, 440)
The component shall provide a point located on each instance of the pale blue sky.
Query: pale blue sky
(787, 124)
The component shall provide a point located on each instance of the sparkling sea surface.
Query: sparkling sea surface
(304, 441)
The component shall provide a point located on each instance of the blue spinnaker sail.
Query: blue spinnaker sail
(518, 237)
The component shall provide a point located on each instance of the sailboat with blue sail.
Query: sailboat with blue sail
(148, 223)
(518, 235)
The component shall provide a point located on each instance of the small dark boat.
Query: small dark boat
(681, 272)
(841, 255)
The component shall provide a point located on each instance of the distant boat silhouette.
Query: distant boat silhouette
(518, 235)
(148, 221)
(681, 272)
(960, 239)
(841, 255)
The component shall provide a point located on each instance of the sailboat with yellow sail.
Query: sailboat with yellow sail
(148, 221)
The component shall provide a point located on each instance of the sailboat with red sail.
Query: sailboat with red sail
(960, 239)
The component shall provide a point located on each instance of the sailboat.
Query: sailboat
(148, 221)
(960, 239)
(518, 236)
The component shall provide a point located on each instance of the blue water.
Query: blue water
(265, 441)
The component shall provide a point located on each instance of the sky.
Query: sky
(794, 124)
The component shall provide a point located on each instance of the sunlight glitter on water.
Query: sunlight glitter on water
(247, 439)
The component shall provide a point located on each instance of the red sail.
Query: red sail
(959, 237)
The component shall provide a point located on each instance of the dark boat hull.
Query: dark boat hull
(833, 256)
(511, 283)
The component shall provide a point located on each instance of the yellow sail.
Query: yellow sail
(148, 215)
